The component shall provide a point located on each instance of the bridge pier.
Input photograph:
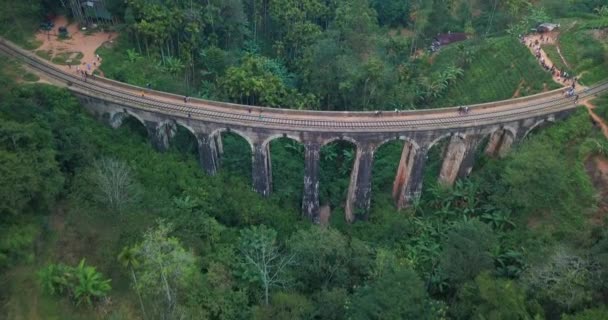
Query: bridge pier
(413, 187)
(208, 153)
(262, 169)
(499, 144)
(359, 195)
(161, 133)
(404, 174)
(458, 159)
(310, 198)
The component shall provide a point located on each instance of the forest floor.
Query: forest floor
(79, 47)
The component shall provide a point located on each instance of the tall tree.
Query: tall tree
(262, 261)
(166, 269)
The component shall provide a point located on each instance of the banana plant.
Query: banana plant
(90, 284)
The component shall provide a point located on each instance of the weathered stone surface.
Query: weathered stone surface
(409, 177)
(500, 143)
(360, 188)
(454, 155)
(404, 174)
(310, 198)
(262, 170)
(208, 153)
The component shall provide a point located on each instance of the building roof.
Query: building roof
(547, 26)
(447, 38)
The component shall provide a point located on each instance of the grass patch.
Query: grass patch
(28, 76)
(137, 70)
(498, 67)
(45, 54)
(585, 53)
(601, 105)
(551, 51)
(63, 57)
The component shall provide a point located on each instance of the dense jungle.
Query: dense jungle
(96, 224)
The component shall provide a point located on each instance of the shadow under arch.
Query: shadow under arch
(287, 163)
(434, 161)
(537, 126)
(337, 157)
(127, 120)
(182, 138)
(387, 158)
(274, 137)
(235, 152)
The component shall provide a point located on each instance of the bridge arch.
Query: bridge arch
(538, 124)
(273, 137)
(117, 118)
(443, 136)
(341, 138)
(404, 138)
(219, 131)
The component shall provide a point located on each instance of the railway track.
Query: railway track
(350, 122)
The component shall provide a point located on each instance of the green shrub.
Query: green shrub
(83, 284)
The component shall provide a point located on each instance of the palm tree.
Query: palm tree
(90, 284)
(128, 259)
(602, 11)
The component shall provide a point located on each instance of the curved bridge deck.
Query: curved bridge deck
(501, 123)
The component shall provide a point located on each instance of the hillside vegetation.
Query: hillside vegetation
(95, 224)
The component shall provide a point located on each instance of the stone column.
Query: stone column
(160, 134)
(505, 146)
(310, 198)
(262, 170)
(404, 172)
(466, 166)
(219, 144)
(413, 188)
(359, 195)
(458, 160)
(499, 144)
(208, 154)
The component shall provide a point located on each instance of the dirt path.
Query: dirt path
(79, 41)
(551, 38)
(597, 119)
(531, 41)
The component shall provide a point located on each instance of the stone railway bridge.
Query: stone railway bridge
(501, 123)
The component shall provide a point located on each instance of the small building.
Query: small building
(546, 27)
(90, 11)
(443, 39)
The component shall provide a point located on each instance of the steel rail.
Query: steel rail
(449, 118)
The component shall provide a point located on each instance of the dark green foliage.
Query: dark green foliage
(321, 257)
(396, 294)
(336, 164)
(466, 251)
(285, 306)
(484, 249)
(491, 298)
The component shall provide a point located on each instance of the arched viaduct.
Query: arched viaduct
(503, 123)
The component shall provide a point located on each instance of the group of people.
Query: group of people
(536, 45)
(86, 71)
(569, 92)
(463, 110)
